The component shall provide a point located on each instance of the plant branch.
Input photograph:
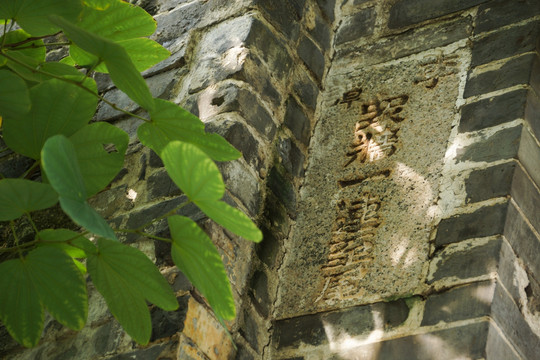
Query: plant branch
(31, 170)
(145, 234)
(30, 39)
(172, 212)
(34, 46)
(32, 223)
(74, 82)
(12, 225)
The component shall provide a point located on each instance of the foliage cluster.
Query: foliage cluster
(46, 110)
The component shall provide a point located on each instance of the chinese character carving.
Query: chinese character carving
(375, 131)
(349, 97)
(434, 68)
(350, 247)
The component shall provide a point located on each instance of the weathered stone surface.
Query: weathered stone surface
(489, 183)
(508, 271)
(268, 249)
(515, 71)
(409, 12)
(459, 303)
(332, 326)
(527, 197)
(522, 239)
(529, 156)
(259, 293)
(282, 186)
(305, 88)
(505, 43)
(168, 323)
(462, 342)
(404, 44)
(160, 184)
(187, 350)
(503, 144)
(202, 327)
(496, 14)
(254, 330)
(319, 30)
(356, 26)
(327, 8)
(466, 262)
(285, 16)
(312, 56)
(291, 157)
(493, 111)
(510, 320)
(14, 165)
(532, 112)
(297, 121)
(365, 173)
(497, 348)
(241, 183)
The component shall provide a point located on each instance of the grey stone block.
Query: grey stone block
(291, 157)
(532, 112)
(493, 111)
(305, 88)
(505, 43)
(527, 197)
(168, 323)
(321, 32)
(284, 15)
(486, 221)
(504, 144)
(507, 270)
(356, 26)
(496, 14)
(297, 121)
(259, 293)
(522, 239)
(268, 249)
(514, 72)
(253, 330)
(160, 184)
(529, 156)
(276, 213)
(14, 165)
(327, 8)
(510, 320)
(283, 188)
(469, 262)
(311, 329)
(497, 348)
(489, 183)
(312, 57)
(409, 12)
(462, 342)
(460, 303)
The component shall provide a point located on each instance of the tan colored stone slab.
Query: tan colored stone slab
(368, 204)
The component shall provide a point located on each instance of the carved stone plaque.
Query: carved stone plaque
(370, 195)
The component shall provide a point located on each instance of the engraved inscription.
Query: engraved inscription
(350, 247)
(375, 133)
(349, 97)
(435, 67)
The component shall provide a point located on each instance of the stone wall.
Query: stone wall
(391, 158)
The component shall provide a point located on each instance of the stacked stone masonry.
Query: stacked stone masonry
(391, 157)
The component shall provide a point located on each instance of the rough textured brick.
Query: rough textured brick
(489, 183)
(321, 32)
(408, 12)
(505, 43)
(310, 329)
(497, 348)
(275, 211)
(522, 239)
(297, 121)
(356, 26)
(508, 317)
(459, 303)
(259, 293)
(468, 263)
(327, 8)
(496, 14)
(168, 323)
(284, 15)
(282, 187)
(13, 165)
(254, 330)
(529, 156)
(211, 337)
(486, 221)
(312, 56)
(463, 342)
(507, 271)
(527, 197)
(268, 249)
(504, 144)
(532, 112)
(160, 184)
(305, 88)
(514, 72)
(409, 42)
(493, 111)
(158, 351)
(291, 157)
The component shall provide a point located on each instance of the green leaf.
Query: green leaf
(20, 307)
(126, 277)
(195, 255)
(57, 108)
(67, 72)
(46, 278)
(62, 238)
(193, 171)
(32, 15)
(121, 68)
(19, 196)
(60, 164)
(170, 122)
(14, 95)
(231, 219)
(144, 52)
(117, 20)
(34, 49)
(100, 149)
